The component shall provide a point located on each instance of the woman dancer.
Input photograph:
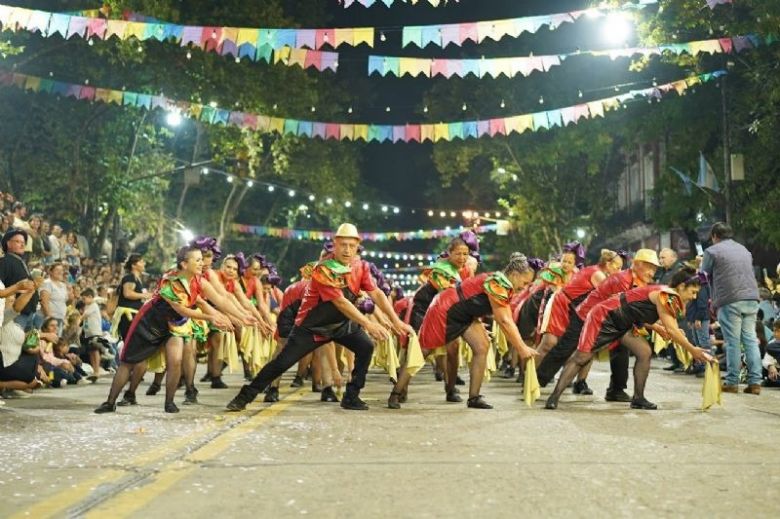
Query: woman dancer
(166, 320)
(571, 295)
(450, 269)
(131, 296)
(613, 320)
(456, 312)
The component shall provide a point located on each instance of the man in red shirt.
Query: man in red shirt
(328, 313)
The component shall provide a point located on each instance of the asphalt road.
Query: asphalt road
(430, 459)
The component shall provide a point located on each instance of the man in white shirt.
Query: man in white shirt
(54, 242)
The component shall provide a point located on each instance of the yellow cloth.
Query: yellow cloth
(711, 390)
(531, 388)
(500, 340)
(414, 356)
(603, 355)
(465, 353)
(121, 311)
(490, 365)
(659, 343)
(156, 363)
(683, 356)
(252, 349)
(228, 351)
(441, 351)
(385, 357)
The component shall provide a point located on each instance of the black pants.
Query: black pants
(23, 370)
(301, 342)
(567, 344)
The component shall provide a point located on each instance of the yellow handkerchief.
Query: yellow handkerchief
(414, 356)
(531, 388)
(682, 354)
(659, 343)
(710, 392)
(500, 341)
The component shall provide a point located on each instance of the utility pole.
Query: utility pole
(726, 148)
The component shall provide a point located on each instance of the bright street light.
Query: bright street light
(187, 235)
(617, 28)
(173, 119)
(580, 233)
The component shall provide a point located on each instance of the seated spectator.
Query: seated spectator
(771, 359)
(16, 364)
(60, 371)
(767, 306)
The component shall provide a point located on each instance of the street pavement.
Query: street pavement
(300, 457)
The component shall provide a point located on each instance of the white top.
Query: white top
(56, 248)
(2, 305)
(93, 325)
(58, 302)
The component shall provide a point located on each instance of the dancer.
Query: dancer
(569, 297)
(455, 313)
(614, 319)
(166, 320)
(640, 274)
(328, 313)
(131, 296)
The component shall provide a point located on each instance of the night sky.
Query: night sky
(393, 168)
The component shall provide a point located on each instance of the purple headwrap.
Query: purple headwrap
(207, 243)
(536, 263)
(242, 263)
(624, 254)
(328, 247)
(471, 240)
(578, 250)
(398, 292)
(701, 276)
(366, 306)
(260, 259)
(273, 277)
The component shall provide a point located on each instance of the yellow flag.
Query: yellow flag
(659, 343)
(531, 388)
(501, 345)
(711, 391)
(414, 355)
(228, 351)
(682, 354)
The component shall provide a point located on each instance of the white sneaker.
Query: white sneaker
(14, 393)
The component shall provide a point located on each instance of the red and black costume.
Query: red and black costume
(319, 321)
(291, 302)
(455, 309)
(528, 310)
(568, 298)
(557, 357)
(611, 319)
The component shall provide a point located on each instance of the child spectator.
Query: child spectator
(771, 359)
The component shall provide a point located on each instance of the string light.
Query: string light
(271, 189)
(250, 183)
(291, 193)
(329, 201)
(347, 204)
(365, 207)
(312, 198)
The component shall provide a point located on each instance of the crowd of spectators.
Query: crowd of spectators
(55, 328)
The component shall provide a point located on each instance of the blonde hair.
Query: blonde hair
(607, 256)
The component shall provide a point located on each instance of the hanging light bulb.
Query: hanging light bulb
(443, 214)
(90, 42)
(430, 212)
(503, 104)
(189, 55)
(349, 110)
(313, 109)
(365, 207)
(396, 210)
(312, 198)
(291, 193)
(541, 100)
(230, 179)
(425, 109)
(382, 36)
(464, 107)
(271, 189)
(329, 201)
(453, 214)
(249, 183)
(384, 208)
(387, 109)
(347, 204)
(579, 94)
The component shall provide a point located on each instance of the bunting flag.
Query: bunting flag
(477, 32)
(514, 66)
(298, 234)
(443, 131)
(255, 43)
(389, 3)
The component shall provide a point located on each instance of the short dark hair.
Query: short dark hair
(685, 276)
(721, 231)
(87, 292)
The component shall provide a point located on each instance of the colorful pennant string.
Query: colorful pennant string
(298, 234)
(389, 3)
(444, 131)
(524, 66)
(257, 43)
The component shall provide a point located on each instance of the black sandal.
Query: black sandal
(394, 402)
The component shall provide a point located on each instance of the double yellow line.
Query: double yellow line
(125, 503)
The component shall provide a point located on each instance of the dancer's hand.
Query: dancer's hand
(249, 320)
(401, 328)
(265, 328)
(376, 331)
(702, 356)
(526, 353)
(222, 322)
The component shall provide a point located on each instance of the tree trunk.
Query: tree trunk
(225, 210)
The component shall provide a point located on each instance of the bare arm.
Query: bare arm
(45, 303)
(381, 300)
(128, 291)
(670, 323)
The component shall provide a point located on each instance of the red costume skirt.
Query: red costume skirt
(559, 315)
(601, 329)
(438, 328)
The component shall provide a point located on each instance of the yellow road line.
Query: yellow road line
(130, 501)
(57, 504)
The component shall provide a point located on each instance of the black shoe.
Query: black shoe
(216, 383)
(128, 399)
(328, 395)
(643, 403)
(477, 402)
(93, 378)
(271, 395)
(508, 373)
(581, 388)
(617, 396)
(153, 389)
(170, 407)
(404, 396)
(453, 396)
(206, 377)
(394, 402)
(552, 403)
(353, 404)
(106, 407)
(673, 367)
(242, 399)
(315, 388)
(439, 377)
(297, 381)
(191, 396)
(459, 381)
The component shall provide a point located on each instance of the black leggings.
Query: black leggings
(301, 342)
(23, 370)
